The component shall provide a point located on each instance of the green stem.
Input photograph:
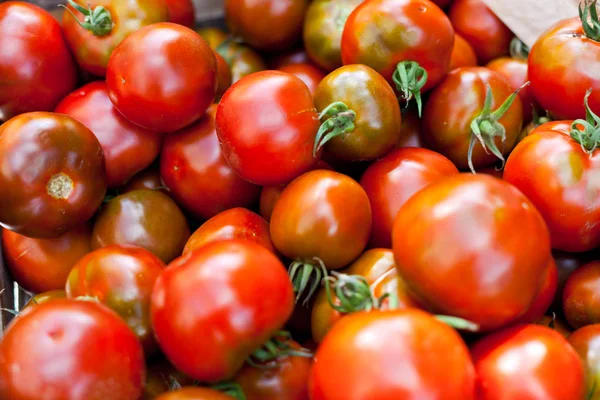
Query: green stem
(588, 13)
(589, 137)
(307, 276)
(96, 20)
(410, 78)
(352, 292)
(458, 323)
(340, 120)
(275, 348)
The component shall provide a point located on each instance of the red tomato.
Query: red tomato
(544, 298)
(385, 355)
(181, 68)
(224, 76)
(290, 57)
(514, 71)
(463, 54)
(411, 129)
(194, 393)
(52, 174)
(559, 126)
(197, 174)
(146, 179)
(243, 60)
(392, 180)
(67, 349)
(40, 265)
(127, 148)
(36, 68)
(308, 73)
(186, 306)
(45, 297)
(466, 229)
(182, 12)
(586, 342)
(527, 362)
(581, 296)
(274, 142)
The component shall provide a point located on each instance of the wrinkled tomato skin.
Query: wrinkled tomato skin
(274, 144)
(144, 218)
(563, 61)
(52, 174)
(235, 223)
(195, 171)
(36, 68)
(41, 265)
(463, 54)
(437, 358)
(586, 342)
(553, 171)
(184, 306)
(405, 30)
(45, 297)
(243, 60)
(322, 214)
(122, 278)
(181, 66)
(514, 70)
(224, 76)
(545, 365)
(545, 297)
(392, 180)
(456, 102)
(182, 12)
(147, 179)
(580, 296)
(466, 228)
(92, 52)
(99, 356)
(194, 393)
(308, 73)
(127, 148)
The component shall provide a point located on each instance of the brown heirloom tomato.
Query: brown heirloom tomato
(194, 393)
(586, 342)
(463, 54)
(182, 12)
(52, 174)
(581, 296)
(308, 73)
(127, 148)
(242, 60)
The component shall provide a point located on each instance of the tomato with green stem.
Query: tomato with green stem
(580, 296)
(308, 73)
(463, 54)
(182, 12)
(586, 342)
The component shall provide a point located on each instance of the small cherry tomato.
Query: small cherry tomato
(586, 342)
(581, 296)
(242, 60)
(224, 76)
(45, 297)
(308, 73)
(566, 263)
(545, 296)
(182, 12)
(194, 393)
(463, 54)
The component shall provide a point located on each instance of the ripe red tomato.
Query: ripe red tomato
(188, 303)
(52, 174)
(224, 76)
(40, 265)
(384, 355)
(308, 73)
(182, 12)
(586, 342)
(514, 70)
(214, 36)
(45, 297)
(127, 148)
(559, 126)
(242, 60)
(146, 179)
(194, 393)
(67, 349)
(581, 296)
(36, 68)
(183, 84)
(274, 142)
(463, 54)
(411, 129)
(527, 362)
(289, 57)
(467, 229)
(545, 296)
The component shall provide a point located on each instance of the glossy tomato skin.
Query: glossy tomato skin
(127, 148)
(322, 214)
(182, 12)
(456, 102)
(98, 355)
(545, 296)
(407, 340)
(36, 69)
(463, 54)
(274, 142)
(184, 306)
(514, 70)
(224, 76)
(194, 393)
(52, 174)
(40, 265)
(392, 180)
(144, 218)
(542, 365)
(411, 129)
(147, 179)
(554, 172)
(308, 73)
(465, 229)
(404, 30)
(243, 60)
(559, 126)
(181, 66)
(92, 52)
(580, 296)
(586, 342)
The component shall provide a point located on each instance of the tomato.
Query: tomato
(322, 32)
(67, 349)
(478, 25)
(40, 265)
(182, 12)
(197, 174)
(586, 342)
(52, 174)
(308, 73)
(457, 102)
(127, 148)
(235, 223)
(45, 297)
(367, 124)
(580, 296)
(401, 354)
(181, 67)
(442, 3)
(527, 362)
(93, 32)
(392, 180)
(557, 324)
(194, 393)
(566, 263)
(463, 54)
(545, 296)
(514, 70)
(466, 229)
(224, 76)
(391, 284)
(147, 179)
(411, 129)
(559, 126)
(280, 24)
(242, 60)
(274, 144)
(162, 377)
(144, 218)
(289, 57)
(184, 306)
(213, 36)
(36, 68)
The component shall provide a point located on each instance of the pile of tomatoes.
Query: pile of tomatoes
(333, 200)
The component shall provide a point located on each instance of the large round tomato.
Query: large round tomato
(514, 70)
(68, 349)
(586, 342)
(36, 68)
(188, 304)
(404, 354)
(466, 229)
(194, 393)
(581, 296)
(463, 54)
(182, 12)
(162, 77)
(273, 143)
(52, 174)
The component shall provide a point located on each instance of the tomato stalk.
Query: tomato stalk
(276, 347)
(353, 293)
(588, 13)
(97, 20)
(518, 49)
(340, 120)
(410, 78)
(586, 132)
(230, 389)
(305, 275)
(458, 323)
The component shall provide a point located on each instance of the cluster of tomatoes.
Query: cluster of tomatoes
(337, 200)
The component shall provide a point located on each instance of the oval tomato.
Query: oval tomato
(308, 73)
(586, 342)
(182, 12)
(581, 296)
(463, 54)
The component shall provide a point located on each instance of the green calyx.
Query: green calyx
(588, 13)
(97, 20)
(518, 49)
(485, 128)
(230, 389)
(307, 276)
(409, 78)
(352, 292)
(589, 136)
(275, 348)
(340, 120)
(458, 323)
